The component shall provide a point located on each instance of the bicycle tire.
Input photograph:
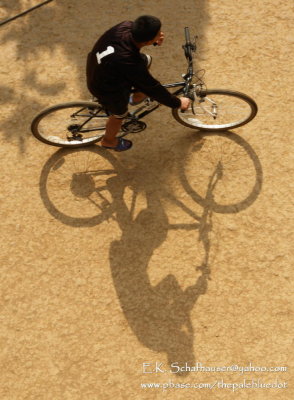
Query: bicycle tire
(46, 133)
(191, 120)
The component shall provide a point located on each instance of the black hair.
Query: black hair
(145, 28)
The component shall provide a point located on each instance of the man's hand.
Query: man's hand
(160, 39)
(185, 102)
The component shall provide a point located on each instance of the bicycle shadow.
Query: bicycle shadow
(159, 315)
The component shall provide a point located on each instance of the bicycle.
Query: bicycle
(82, 123)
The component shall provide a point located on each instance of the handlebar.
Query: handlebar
(187, 35)
(188, 46)
(188, 49)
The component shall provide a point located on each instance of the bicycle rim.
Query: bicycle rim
(219, 110)
(75, 124)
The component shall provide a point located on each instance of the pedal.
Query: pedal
(133, 126)
(150, 104)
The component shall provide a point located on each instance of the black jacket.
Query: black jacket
(115, 65)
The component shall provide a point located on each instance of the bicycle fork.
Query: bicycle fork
(200, 98)
(214, 107)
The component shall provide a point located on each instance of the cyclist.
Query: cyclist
(115, 66)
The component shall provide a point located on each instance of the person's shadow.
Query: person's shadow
(158, 315)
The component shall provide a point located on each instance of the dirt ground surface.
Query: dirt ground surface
(111, 263)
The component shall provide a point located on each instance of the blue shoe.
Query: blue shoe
(122, 145)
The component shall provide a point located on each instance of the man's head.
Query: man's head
(146, 28)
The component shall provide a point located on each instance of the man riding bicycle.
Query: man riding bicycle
(115, 66)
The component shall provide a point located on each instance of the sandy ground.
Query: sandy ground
(147, 262)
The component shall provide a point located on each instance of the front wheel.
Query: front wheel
(74, 124)
(218, 110)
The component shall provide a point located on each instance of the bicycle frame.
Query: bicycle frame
(145, 107)
(148, 107)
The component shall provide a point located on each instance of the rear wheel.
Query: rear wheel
(218, 110)
(74, 124)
